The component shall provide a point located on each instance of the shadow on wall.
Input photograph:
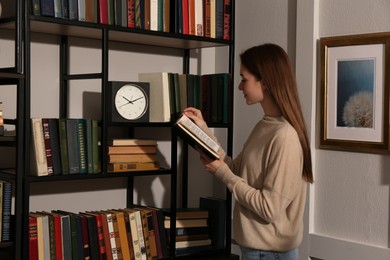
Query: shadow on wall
(386, 181)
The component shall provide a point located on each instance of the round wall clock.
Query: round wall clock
(130, 101)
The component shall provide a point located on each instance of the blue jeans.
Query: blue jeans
(254, 254)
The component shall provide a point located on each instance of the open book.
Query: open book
(196, 137)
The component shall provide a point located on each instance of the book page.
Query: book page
(191, 126)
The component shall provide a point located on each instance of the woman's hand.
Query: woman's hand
(209, 164)
(195, 115)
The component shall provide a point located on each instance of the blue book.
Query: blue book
(47, 8)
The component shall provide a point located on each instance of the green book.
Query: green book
(62, 132)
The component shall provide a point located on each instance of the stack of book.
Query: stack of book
(64, 146)
(192, 230)
(128, 233)
(132, 155)
(1, 119)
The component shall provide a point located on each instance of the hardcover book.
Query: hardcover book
(48, 149)
(127, 142)
(160, 110)
(196, 137)
(33, 238)
(55, 145)
(39, 161)
(136, 166)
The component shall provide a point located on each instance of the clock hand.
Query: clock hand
(129, 101)
(136, 99)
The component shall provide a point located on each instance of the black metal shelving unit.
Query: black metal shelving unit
(23, 24)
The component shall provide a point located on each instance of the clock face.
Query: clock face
(131, 102)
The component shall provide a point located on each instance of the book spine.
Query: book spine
(130, 14)
(128, 233)
(58, 237)
(134, 236)
(145, 232)
(85, 237)
(65, 9)
(73, 10)
(82, 145)
(47, 8)
(6, 224)
(36, 7)
(39, 159)
(152, 234)
(140, 235)
(219, 18)
(52, 237)
(63, 145)
(48, 150)
(103, 11)
(58, 9)
(227, 10)
(33, 238)
(89, 146)
(55, 145)
(123, 235)
(95, 146)
(115, 248)
(185, 17)
(106, 233)
(73, 150)
(100, 233)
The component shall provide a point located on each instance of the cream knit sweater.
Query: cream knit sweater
(266, 182)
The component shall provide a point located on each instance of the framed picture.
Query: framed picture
(355, 92)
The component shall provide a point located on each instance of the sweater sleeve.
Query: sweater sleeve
(282, 182)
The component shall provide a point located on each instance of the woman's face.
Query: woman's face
(250, 87)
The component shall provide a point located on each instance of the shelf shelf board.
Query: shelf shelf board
(58, 26)
(98, 175)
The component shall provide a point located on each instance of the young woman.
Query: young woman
(269, 177)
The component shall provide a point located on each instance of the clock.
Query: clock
(129, 101)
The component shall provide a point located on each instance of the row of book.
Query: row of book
(5, 211)
(209, 18)
(64, 146)
(132, 155)
(170, 93)
(137, 232)
(1, 119)
(127, 233)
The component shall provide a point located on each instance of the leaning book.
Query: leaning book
(196, 137)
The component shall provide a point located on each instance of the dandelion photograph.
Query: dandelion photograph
(355, 92)
(355, 88)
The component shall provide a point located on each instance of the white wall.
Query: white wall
(351, 201)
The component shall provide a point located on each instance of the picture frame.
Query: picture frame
(355, 92)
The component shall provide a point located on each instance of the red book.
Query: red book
(103, 11)
(33, 238)
(191, 17)
(58, 236)
(185, 17)
(206, 18)
(106, 233)
(130, 14)
(226, 19)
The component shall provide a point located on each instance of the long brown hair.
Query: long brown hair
(271, 64)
